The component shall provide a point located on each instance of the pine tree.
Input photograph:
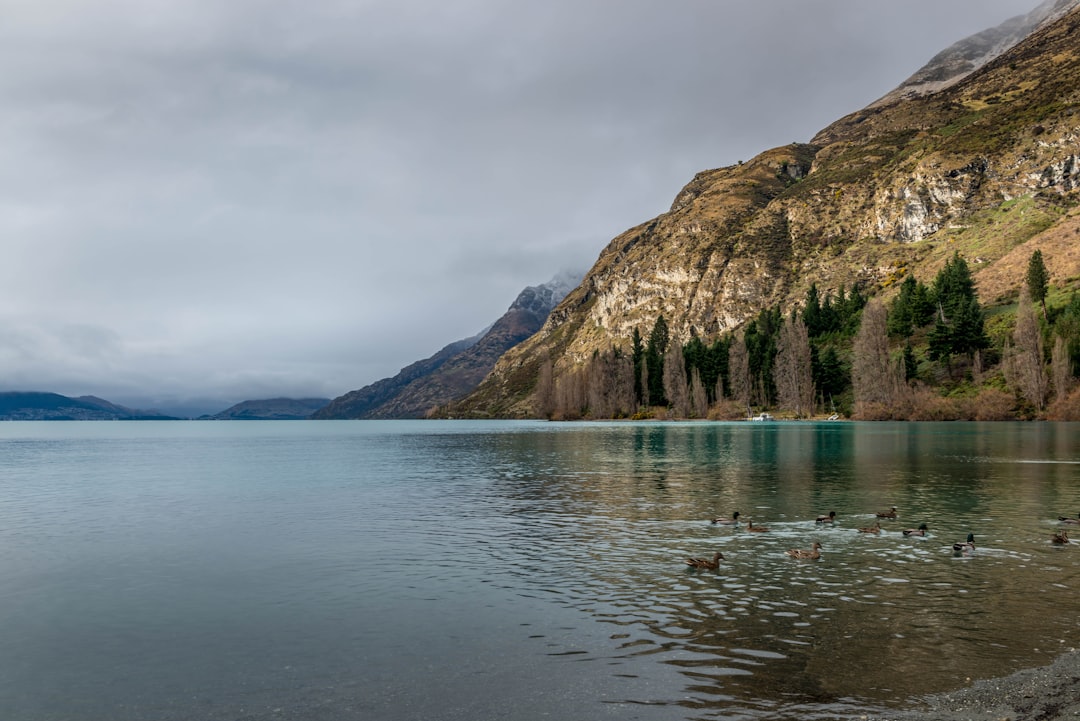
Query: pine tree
(637, 354)
(811, 314)
(654, 356)
(1038, 280)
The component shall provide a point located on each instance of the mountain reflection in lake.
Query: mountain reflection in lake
(466, 570)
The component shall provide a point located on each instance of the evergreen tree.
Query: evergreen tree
(953, 286)
(717, 374)
(811, 315)
(969, 329)
(911, 365)
(637, 354)
(654, 361)
(830, 378)
(1038, 280)
(901, 320)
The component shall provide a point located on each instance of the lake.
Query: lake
(522, 570)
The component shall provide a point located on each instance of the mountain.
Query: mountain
(959, 60)
(987, 165)
(33, 406)
(273, 409)
(458, 368)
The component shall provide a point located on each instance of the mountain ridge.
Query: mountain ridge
(457, 368)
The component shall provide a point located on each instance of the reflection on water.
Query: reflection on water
(501, 570)
(879, 619)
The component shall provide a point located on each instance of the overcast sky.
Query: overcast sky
(217, 200)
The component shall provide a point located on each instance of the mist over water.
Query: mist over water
(463, 570)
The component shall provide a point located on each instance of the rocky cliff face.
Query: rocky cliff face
(458, 368)
(984, 166)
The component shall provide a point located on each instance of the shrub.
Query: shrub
(1066, 409)
(993, 404)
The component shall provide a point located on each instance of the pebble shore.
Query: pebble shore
(1048, 693)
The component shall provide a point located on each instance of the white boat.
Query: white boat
(762, 417)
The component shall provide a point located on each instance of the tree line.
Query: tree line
(927, 354)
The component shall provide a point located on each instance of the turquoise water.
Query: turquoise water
(467, 570)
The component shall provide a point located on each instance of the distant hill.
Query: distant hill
(457, 369)
(272, 409)
(35, 406)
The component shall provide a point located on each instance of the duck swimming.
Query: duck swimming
(756, 529)
(876, 528)
(733, 521)
(706, 564)
(1060, 538)
(920, 531)
(826, 519)
(965, 547)
(887, 514)
(1066, 519)
(811, 554)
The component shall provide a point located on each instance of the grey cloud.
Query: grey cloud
(271, 194)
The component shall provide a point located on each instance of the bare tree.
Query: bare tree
(739, 372)
(1060, 368)
(544, 396)
(675, 385)
(876, 380)
(699, 397)
(570, 397)
(792, 372)
(1024, 367)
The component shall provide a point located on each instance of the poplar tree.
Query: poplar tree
(676, 387)
(874, 376)
(792, 371)
(739, 372)
(1024, 361)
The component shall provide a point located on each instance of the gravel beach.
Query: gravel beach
(1047, 693)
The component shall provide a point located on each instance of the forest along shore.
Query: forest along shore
(1048, 693)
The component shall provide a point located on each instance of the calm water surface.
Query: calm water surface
(459, 570)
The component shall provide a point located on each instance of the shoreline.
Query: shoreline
(1045, 693)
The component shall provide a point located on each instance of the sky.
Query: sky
(203, 202)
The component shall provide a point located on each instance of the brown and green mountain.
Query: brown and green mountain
(458, 368)
(985, 163)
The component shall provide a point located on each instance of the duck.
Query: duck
(967, 546)
(1066, 519)
(756, 529)
(733, 521)
(891, 513)
(1060, 538)
(706, 564)
(876, 528)
(826, 519)
(811, 553)
(920, 531)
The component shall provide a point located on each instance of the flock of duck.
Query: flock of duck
(814, 553)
